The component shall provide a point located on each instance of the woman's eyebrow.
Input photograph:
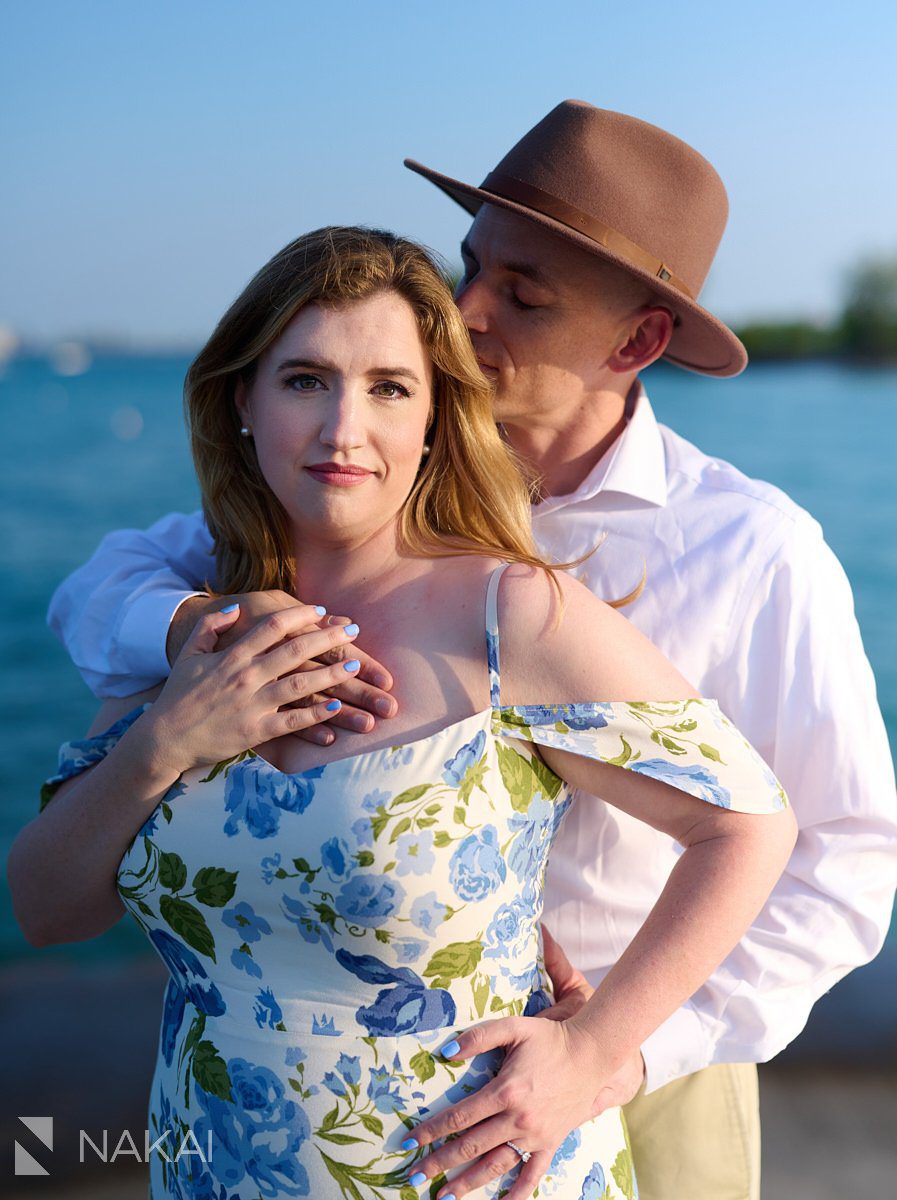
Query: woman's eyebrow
(317, 365)
(395, 372)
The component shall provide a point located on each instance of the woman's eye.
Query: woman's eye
(390, 391)
(303, 383)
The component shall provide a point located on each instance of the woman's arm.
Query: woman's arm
(553, 1074)
(63, 865)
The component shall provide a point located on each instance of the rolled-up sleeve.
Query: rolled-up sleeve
(113, 613)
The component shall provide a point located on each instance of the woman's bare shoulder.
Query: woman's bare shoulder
(573, 646)
(115, 708)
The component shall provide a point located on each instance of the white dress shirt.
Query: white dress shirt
(752, 606)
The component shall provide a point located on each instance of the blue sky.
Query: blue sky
(155, 155)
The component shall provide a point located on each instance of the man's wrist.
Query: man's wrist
(183, 621)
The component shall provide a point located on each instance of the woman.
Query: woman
(334, 925)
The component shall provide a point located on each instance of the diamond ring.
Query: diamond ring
(524, 1154)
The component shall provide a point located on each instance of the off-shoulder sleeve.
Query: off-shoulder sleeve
(75, 757)
(689, 744)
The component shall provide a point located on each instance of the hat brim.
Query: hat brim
(700, 341)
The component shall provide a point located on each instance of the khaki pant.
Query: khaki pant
(698, 1138)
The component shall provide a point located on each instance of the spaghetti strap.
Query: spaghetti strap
(492, 635)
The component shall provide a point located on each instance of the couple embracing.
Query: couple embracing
(464, 640)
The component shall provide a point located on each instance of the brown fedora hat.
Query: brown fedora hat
(630, 193)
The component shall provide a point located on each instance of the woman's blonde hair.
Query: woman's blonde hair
(470, 495)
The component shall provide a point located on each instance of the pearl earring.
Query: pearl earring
(426, 450)
(245, 431)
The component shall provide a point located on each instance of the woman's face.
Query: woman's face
(338, 409)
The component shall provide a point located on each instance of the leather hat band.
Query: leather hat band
(510, 188)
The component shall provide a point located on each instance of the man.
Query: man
(589, 245)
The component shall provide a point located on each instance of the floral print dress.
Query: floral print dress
(327, 931)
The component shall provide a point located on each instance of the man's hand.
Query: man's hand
(364, 697)
(570, 987)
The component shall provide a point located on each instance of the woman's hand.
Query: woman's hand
(365, 696)
(216, 704)
(550, 1083)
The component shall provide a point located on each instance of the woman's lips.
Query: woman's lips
(489, 371)
(339, 475)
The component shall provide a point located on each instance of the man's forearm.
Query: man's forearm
(184, 620)
(113, 613)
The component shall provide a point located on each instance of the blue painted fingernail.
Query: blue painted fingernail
(409, 1144)
(350, 630)
(333, 706)
(230, 608)
(450, 1196)
(352, 666)
(320, 610)
(450, 1049)
(417, 1179)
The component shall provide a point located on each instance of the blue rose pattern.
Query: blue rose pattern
(593, 1185)
(257, 795)
(407, 1006)
(257, 1137)
(477, 868)
(369, 899)
(458, 765)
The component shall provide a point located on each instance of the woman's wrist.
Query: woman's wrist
(154, 751)
(597, 1041)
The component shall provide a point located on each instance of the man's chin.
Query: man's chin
(508, 411)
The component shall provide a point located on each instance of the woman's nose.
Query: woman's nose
(343, 425)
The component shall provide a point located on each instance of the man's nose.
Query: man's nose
(472, 301)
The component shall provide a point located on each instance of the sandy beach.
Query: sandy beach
(79, 1043)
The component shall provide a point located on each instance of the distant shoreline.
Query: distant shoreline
(765, 344)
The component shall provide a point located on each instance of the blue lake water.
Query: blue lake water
(106, 449)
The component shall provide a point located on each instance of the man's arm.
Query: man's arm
(113, 613)
(798, 684)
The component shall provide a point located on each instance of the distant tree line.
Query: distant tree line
(864, 332)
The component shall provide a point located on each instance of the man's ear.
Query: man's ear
(241, 402)
(649, 336)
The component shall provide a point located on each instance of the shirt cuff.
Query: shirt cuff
(143, 631)
(679, 1047)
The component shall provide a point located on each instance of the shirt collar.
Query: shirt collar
(635, 465)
